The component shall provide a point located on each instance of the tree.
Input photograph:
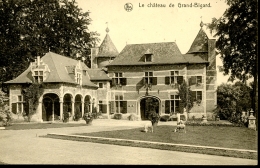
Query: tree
(237, 33)
(185, 96)
(232, 100)
(30, 28)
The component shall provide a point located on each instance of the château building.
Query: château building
(140, 77)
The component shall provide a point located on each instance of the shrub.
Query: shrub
(164, 118)
(118, 116)
(5, 115)
(132, 117)
(77, 114)
(66, 116)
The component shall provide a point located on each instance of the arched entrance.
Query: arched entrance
(67, 103)
(51, 107)
(87, 104)
(78, 107)
(148, 104)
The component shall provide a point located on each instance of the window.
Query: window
(20, 104)
(118, 77)
(120, 104)
(199, 79)
(100, 85)
(148, 58)
(102, 107)
(195, 80)
(78, 78)
(174, 79)
(197, 95)
(38, 76)
(173, 104)
(148, 79)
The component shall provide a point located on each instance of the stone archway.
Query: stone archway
(147, 104)
(78, 107)
(50, 107)
(87, 104)
(67, 103)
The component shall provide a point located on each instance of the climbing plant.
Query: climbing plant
(185, 96)
(31, 96)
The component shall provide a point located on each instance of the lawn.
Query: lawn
(212, 136)
(216, 136)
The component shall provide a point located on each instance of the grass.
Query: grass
(226, 137)
(25, 126)
(212, 136)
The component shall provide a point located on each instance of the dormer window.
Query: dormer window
(39, 70)
(38, 76)
(148, 55)
(78, 78)
(148, 58)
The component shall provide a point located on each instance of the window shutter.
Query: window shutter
(180, 79)
(113, 82)
(193, 80)
(112, 107)
(193, 95)
(144, 81)
(104, 108)
(167, 106)
(167, 80)
(14, 108)
(154, 81)
(124, 107)
(123, 81)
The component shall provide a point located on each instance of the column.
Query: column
(52, 110)
(61, 110)
(72, 108)
(39, 111)
(82, 108)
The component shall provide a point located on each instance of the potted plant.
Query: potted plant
(88, 117)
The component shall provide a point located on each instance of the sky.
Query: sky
(179, 21)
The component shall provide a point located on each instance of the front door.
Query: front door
(148, 104)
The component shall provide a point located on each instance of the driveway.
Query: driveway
(26, 147)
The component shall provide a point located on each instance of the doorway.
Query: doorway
(148, 104)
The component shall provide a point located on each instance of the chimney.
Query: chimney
(38, 60)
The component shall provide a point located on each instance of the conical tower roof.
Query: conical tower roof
(107, 47)
(200, 43)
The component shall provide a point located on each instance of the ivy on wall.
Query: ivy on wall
(186, 97)
(31, 96)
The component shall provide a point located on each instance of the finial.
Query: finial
(107, 30)
(201, 23)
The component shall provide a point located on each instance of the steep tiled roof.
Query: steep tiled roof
(60, 67)
(97, 74)
(25, 77)
(194, 58)
(107, 48)
(200, 43)
(162, 53)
